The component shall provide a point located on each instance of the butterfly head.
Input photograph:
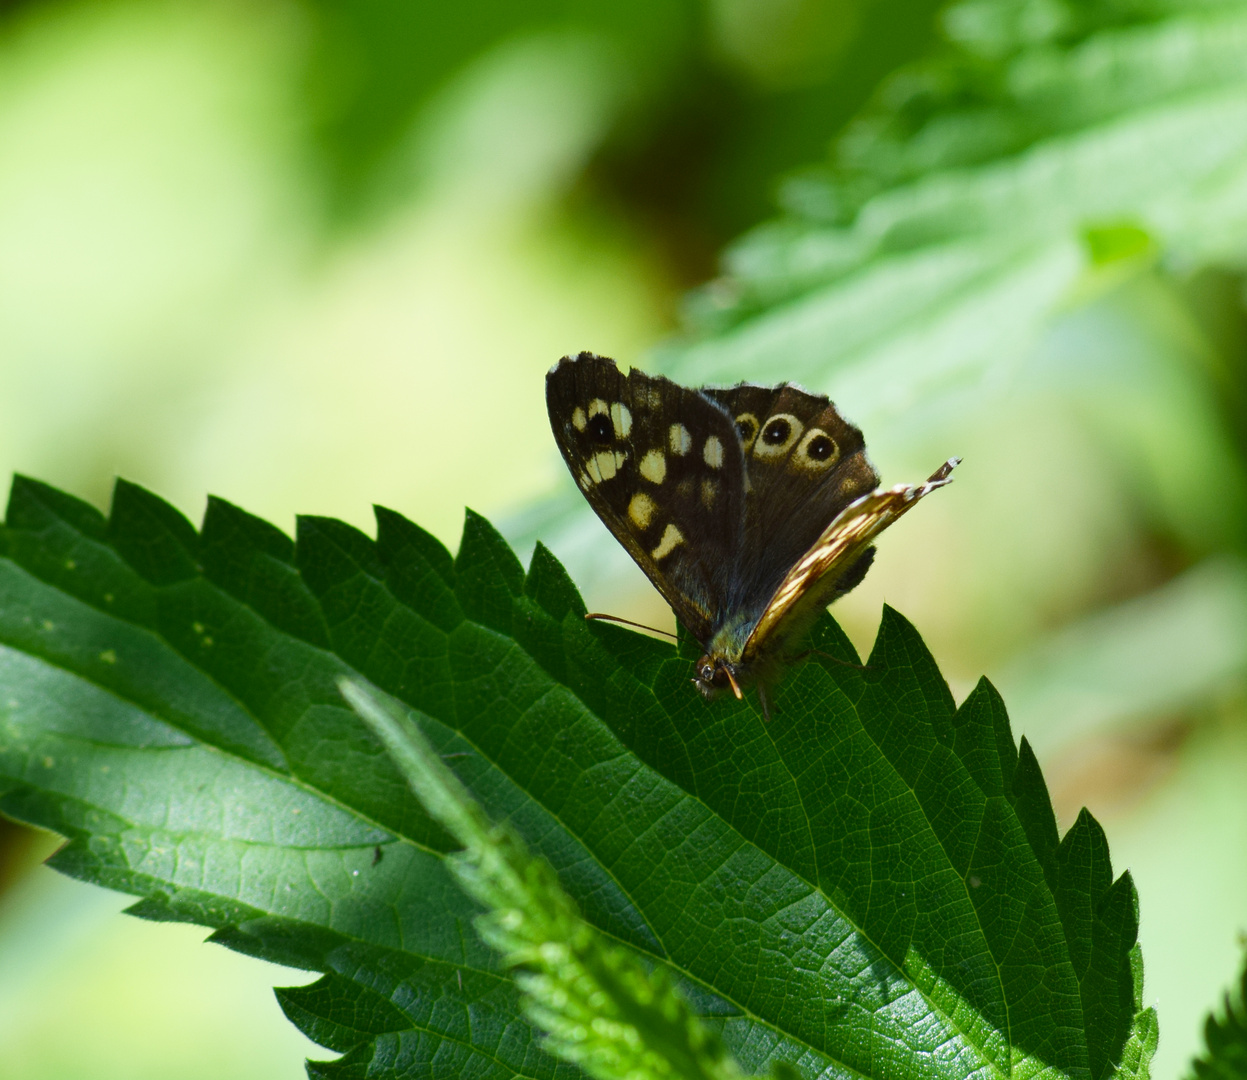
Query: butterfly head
(715, 674)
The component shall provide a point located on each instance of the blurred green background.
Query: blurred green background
(309, 256)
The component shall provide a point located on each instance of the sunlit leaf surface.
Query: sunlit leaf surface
(870, 885)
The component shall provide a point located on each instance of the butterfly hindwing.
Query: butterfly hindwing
(805, 463)
(662, 467)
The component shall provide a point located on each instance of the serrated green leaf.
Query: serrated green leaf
(597, 1004)
(871, 884)
(1225, 1038)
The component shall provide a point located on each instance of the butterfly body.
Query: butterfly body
(750, 508)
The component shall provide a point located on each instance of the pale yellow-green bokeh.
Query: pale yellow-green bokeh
(170, 310)
(86, 991)
(174, 309)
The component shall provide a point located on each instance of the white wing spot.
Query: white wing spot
(641, 510)
(654, 467)
(597, 405)
(681, 440)
(621, 420)
(712, 452)
(672, 538)
(579, 420)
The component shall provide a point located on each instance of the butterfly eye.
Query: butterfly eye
(776, 432)
(600, 428)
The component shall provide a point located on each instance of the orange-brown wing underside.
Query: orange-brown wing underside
(839, 546)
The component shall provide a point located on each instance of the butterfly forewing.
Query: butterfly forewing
(662, 466)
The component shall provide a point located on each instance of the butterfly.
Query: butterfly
(750, 508)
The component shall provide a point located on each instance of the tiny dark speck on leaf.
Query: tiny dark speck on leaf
(377, 854)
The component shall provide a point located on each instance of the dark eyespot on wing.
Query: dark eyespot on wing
(600, 430)
(816, 454)
(747, 425)
(820, 448)
(776, 432)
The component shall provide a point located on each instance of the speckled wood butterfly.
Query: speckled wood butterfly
(750, 508)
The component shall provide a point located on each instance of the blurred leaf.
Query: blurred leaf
(1226, 1037)
(374, 64)
(1140, 123)
(936, 271)
(1145, 658)
(1117, 243)
(870, 884)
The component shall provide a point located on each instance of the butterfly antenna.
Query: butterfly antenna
(628, 622)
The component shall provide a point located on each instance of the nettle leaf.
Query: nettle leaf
(870, 885)
(1225, 1038)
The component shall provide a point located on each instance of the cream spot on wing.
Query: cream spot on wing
(672, 538)
(606, 463)
(579, 420)
(585, 480)
(681, 440)
(654, 467)
(621, 420)
(712, 452)
(597, 405)
(684, 490)
(709, 490)
(641, 510)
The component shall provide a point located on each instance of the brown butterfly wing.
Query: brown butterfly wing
(804, 463)
(819, 575)
(662, 466)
